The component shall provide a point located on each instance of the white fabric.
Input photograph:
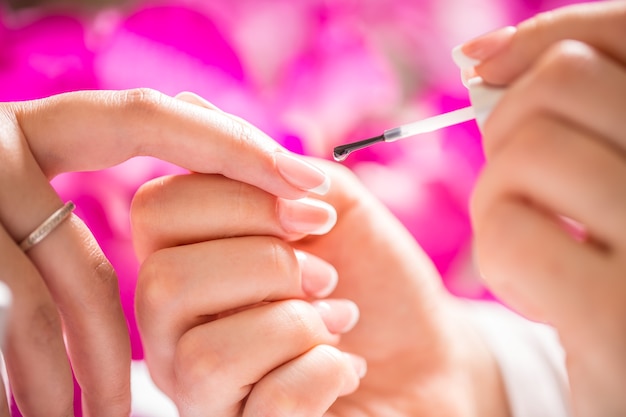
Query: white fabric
(531, 360)
(147, 399)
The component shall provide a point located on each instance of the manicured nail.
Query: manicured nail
(461, 60)
(302, 174)
(319, 278)
(307, 215)
(193, 98)
(477, 50)
(340, 316)
(358, 363)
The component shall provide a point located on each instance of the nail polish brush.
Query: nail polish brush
(483, 98)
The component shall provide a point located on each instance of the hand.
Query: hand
(549, 207)
(241, 314)
(66, 278)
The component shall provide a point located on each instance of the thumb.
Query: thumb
(501, 56)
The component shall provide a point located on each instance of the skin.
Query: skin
(65, 282)
(256, 338)
(547, 212)
(229, 326)
(555, 148)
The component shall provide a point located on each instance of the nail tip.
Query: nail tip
(328, 226)
(306, 227)
(354, 319)
(461, 60)
(301, 174)
(323, 188)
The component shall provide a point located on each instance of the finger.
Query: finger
(534, 266)
(167, 301)
(94, 130)
(34, 350)
(4, 402)
(164, 215)
(217, 363)
(6, 297)
(571, 81)
(195, 99)
(80, 279)
(601, 25)
(306, 386)
(565, 171)
(94, 322)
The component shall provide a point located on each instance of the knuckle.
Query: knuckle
(103, 291)
(563, 64)
(197, 364)
(105, 275)
(144, 100)
(273, 398)
(156, 284)
(242, 132)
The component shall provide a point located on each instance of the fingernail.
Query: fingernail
(461, 60)
(193, 98)
(302, 174)
(358, 363)
(319, 278)
(340, 316)
(477, 50)
(307, 215)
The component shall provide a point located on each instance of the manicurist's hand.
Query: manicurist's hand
(251, 305)
(64, 281)
(550, 207)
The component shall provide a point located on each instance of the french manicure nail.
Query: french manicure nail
(461, 60)
(319, 278)
(306, 215)
(302, 174)
(358, 363)
(340, 316)
(478, 50)
(193, 98)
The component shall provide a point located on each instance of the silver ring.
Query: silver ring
(47, 226)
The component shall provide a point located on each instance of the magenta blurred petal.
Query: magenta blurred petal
(45, 57)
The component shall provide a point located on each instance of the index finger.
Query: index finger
(84, 131)
(601, 25)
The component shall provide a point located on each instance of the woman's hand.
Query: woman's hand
(65, 282)
(556, 150)
(241, 312)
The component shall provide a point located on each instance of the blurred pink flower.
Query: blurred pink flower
(41, 57)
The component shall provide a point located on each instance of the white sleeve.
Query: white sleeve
(531, 361)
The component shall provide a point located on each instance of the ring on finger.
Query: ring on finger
(45, 228)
